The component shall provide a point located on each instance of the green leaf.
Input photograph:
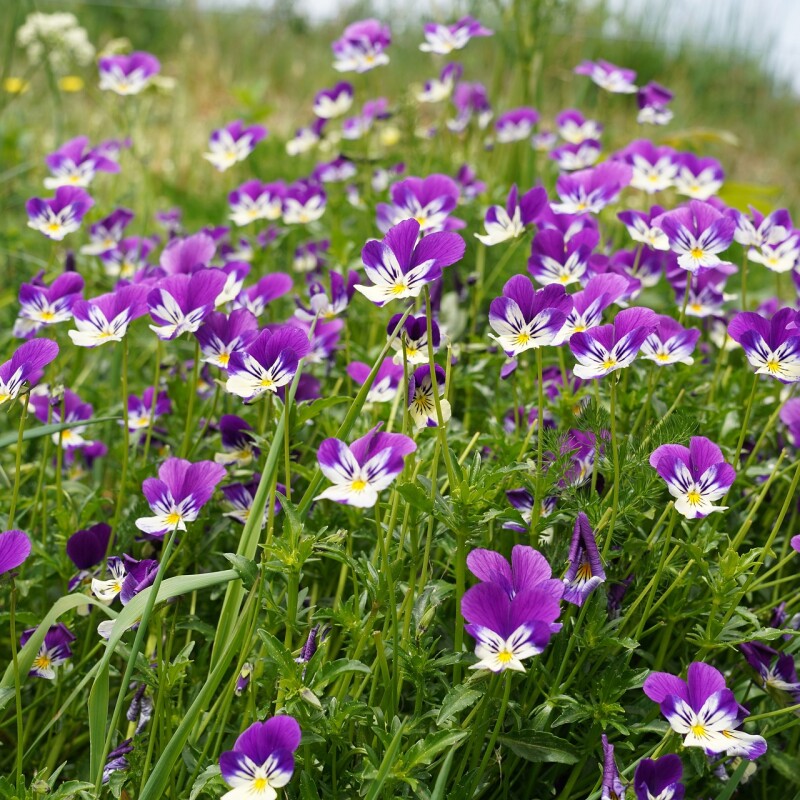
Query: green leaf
(308, 411)
(540, 747)
(425, 752)
(246, 569)
(333, 669)
(416, 496)
(457, 699)
(47, 430)
(277, 652)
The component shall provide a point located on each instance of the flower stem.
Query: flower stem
(747, 410)
(615, 463)
(187, 431)
(126, 439)
(17, 687)
(17, 464)
(501, 714)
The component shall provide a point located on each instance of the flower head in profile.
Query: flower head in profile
(776, 671)
(328, 303)
(612, 786)
(659, 778)
(789, 416)
(608, 76)
(333, 102)
(772, 345)
(699, 178)
(435, 90)
(755, 229)
(233, 143)
(15, 547)
(585, 571)
(654, 168)
(256, 298)
(387, 379)
(509, 222)
(53, 652)
(781, 257)
(128, 74)
(653, 101)
(670, 343)
(262, 759)
(696, 476)
(704, 711)
(574, 128)
(75, 164)
(641, 228)
(180, 303)
(360, 471)
(591, 190)
(444, 39)
(515, 125)
(238, 444)
(106, 318)
(421, 400)
(588, 304)
(222, 335)
(400, 267)
(361, 46)
(127, 578)
(60, 215)
(105, 234)
(25, 367)
(177, 495)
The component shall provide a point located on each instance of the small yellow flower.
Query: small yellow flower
(71, 83)
(390, 136)
(15, 85)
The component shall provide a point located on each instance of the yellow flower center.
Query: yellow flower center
(266, 383)
(610, 363)
(42, 661)
(54, 227)
(698, 729)
(173, 518)
(697, 252)
(584, 571)
(259, 784)
(773, 365)
(693, 497)
(223, 359)
(359, 485)
(505, 656)
(398, 288)
(662, 356)
(522, 339)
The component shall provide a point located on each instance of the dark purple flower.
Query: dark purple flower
(233, 143)
(591, 190)
(25, 367)
(659, 778)
(387, 379)
(57, 216)
(775, 670)
(515, 125)
(105, 234)
(420, 397)
(15, 547)
(243, 679)
(222, 335)
(75, 164)
(612, 786)
(53, 652)
(128, 74)
(585, 572)
(556, 260)
(87, 547)
(142, 414)
(771, 346)
(641, 228)
(653, 100)
(116, 761)
(128, 256)
(428, 200)
(241, 496)
(361, 46)
(238, 444)
(413, 338)
(608, 76)
(510, 222)
(327, 304)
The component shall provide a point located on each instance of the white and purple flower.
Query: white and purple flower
(653, 100)
(106, 318)
(608, 76)
(180, 303)
(233, 143)
(53, 652)
(444, 39)
(515, 125)
(25, 367)
(361, 46)
(220, 336)
(333, 102)
(772, 346)
(510, 222)
(75, 165)
(591, 190)
(60, 215)
(254, 200)
(670, 343)
(128, 74)
(421, 400)
(585, 572)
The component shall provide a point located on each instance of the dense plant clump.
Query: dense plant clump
(400, 479)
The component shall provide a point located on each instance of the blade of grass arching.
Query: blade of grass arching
(46, 430)
(386, 765)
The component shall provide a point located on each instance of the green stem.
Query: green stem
(488, 752)
(615, 463)
(747, 410)
(126, 441)
(18, 464)
(17, 687)
(187, 431)
(156, 380)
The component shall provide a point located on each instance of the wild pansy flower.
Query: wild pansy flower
(659, 779)
(556, 260)
(585, 572)
(612, 787)
(256, 299)
(53, 652)
(116, 760)
(512, 613)
(25, 367)
(104, 319)
(383, 176)
(699, 178)
(470, 100)
(435, 90)
(363, 469)
(128, 256)
(428, 200)
(42, 305)
(697, 232)
(515, 125)
(568, 225)
(468, 184)
(524, 319)
(238, 445)
(571, 157)
(180, 303)
(414, 335)
(324, 340)
(105, 234)
(178, 494)
(323, 306)
(262, 759)
(333, 102)
(128, 74)
(776, 671)
(641, 228)
(241, 496)
(398, 266)
(653, 100)
(756, 230)
(654, 168)
(254, 200)
(588, 304)
(387, 379)
(421, 402)
(444, 39)
(640, 267)
(781, 257)
(574, 128)
(696, 475)
(128, 578)
(510, 222)
(607, 348)
(359, 126)
(704, 711)
(15, 547)
(670, 343)
(87, 548)
(591, 190)
(338, 170)
(221, 335)
(361, 46)
(706, 289)
(305, 139)
(522, 500)
(304, 202)
(75, 164)
(49, 410)
(141, 412)
(790, 417)
(608, 76)
(772, 346)
(233, 143)
(543, 141)
(243, 680)
(268, 362)
(60, 215)
(310, 256)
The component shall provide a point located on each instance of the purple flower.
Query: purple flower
(238, 444)
(306, 138)
(427, 200)
(781, 257)
(607, 348)
(75, 165)
(116, 761)
(443, 39)
(524, 319)
(233, 143)
(772, 346)
(181, 302)
(128, 578)
(522, 500)
(311, 256)
(557, 260)
(515, 125)
(654, 168)
(57, 216)
(612, 786)
(257, 298)
(591, 190)
(361, 46)
(653, 100)
(106, 318)
(544, 141)
(104, 235)
(470, 100)
(304, 202)
(25, 367)
(243, 679)
(323, 341)
(327, 304)
(585, 572)
(268, 362)
(696, 476)
(528, 569)
(756, 230)
(420, 398)
(510, 222)
(53, 652)
(254, 200)
(608, 76)
(222, 335)
(790, 417)
(399, 266)
(338, 170)
(86, 548)
(588, 305)
(437, 89)
(659, 778)
(670, 343)
(15, 547)
(141, 413)
(360, 125)
(706, 289)
(128, 256)
(414, 336)
(704, 711)
(48, 410)
(775, 670)
(641, 228)
(571, 157)
(699, 178)
(188, 255)
(262, 759)
(333, 102)
(241, 496)
(468, 184)
(42, 305)
(129, 74)
(178, 494)
(574, 128)
(387, 379)
(363, 469)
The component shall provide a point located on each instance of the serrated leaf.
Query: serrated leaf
(425, 752)
(540, 747)
(457, 699)
(246, 569)
(333, 669)
(416, 496)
